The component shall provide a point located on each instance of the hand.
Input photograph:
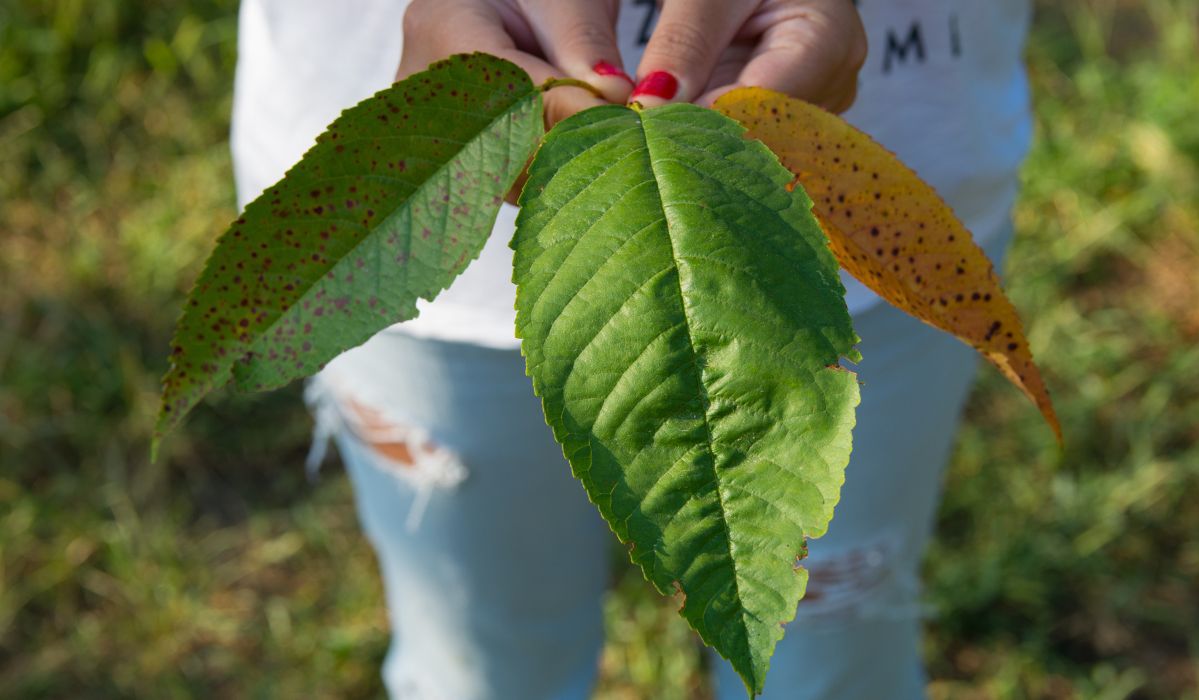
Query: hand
(810, 49)
(548, 38)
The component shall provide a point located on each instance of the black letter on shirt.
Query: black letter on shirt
(899, 52)
(955, 37)
(648, 23)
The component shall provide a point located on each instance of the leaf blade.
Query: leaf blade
(893, 232)
(687, 377)
(392, 202)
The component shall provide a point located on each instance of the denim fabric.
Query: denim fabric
(495, 591)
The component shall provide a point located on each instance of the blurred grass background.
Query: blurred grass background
(220, 571)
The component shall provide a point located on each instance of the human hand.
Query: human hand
(810, 49)
(547, 38)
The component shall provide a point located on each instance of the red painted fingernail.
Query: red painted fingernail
(605, 68)
(657, 84)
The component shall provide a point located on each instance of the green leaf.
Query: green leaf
(682, 321)
(393, 201)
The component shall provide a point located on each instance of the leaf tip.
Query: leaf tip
(753, 677)
(1055, 425)
(163, 425)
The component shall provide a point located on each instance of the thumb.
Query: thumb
(685, 47)
(580, 39)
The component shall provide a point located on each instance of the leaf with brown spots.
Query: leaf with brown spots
(393, 201)
(892, 231)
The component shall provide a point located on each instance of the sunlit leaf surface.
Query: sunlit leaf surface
(682, 319)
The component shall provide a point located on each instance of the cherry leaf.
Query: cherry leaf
(393, 201)
(683, 321)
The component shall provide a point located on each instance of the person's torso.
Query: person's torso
(943, 87)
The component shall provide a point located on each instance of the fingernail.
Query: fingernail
(657, 84)
(605, 68)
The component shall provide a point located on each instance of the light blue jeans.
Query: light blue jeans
(495, 564)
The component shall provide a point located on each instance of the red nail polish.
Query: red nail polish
(657, 84)
(605, 68)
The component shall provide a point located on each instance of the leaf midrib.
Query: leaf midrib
(703, 390)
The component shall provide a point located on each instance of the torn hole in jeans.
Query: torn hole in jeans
(402, 449)
(865, 580)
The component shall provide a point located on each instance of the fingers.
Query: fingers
(435, 29)
(580, 38)
(810, 50)
(690, 38)
(728, 68)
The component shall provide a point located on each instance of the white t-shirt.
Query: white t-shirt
(944, 87)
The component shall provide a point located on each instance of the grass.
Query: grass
(221, 571)
(1075, 576)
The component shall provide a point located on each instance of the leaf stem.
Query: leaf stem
(552, 83)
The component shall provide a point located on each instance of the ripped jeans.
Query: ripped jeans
(495, 564)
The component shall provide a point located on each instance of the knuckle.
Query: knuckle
(682, 43)
(586, 35)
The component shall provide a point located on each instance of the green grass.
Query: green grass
(221, 571)
(1075, 576)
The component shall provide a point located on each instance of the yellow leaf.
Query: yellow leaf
(891, 230)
